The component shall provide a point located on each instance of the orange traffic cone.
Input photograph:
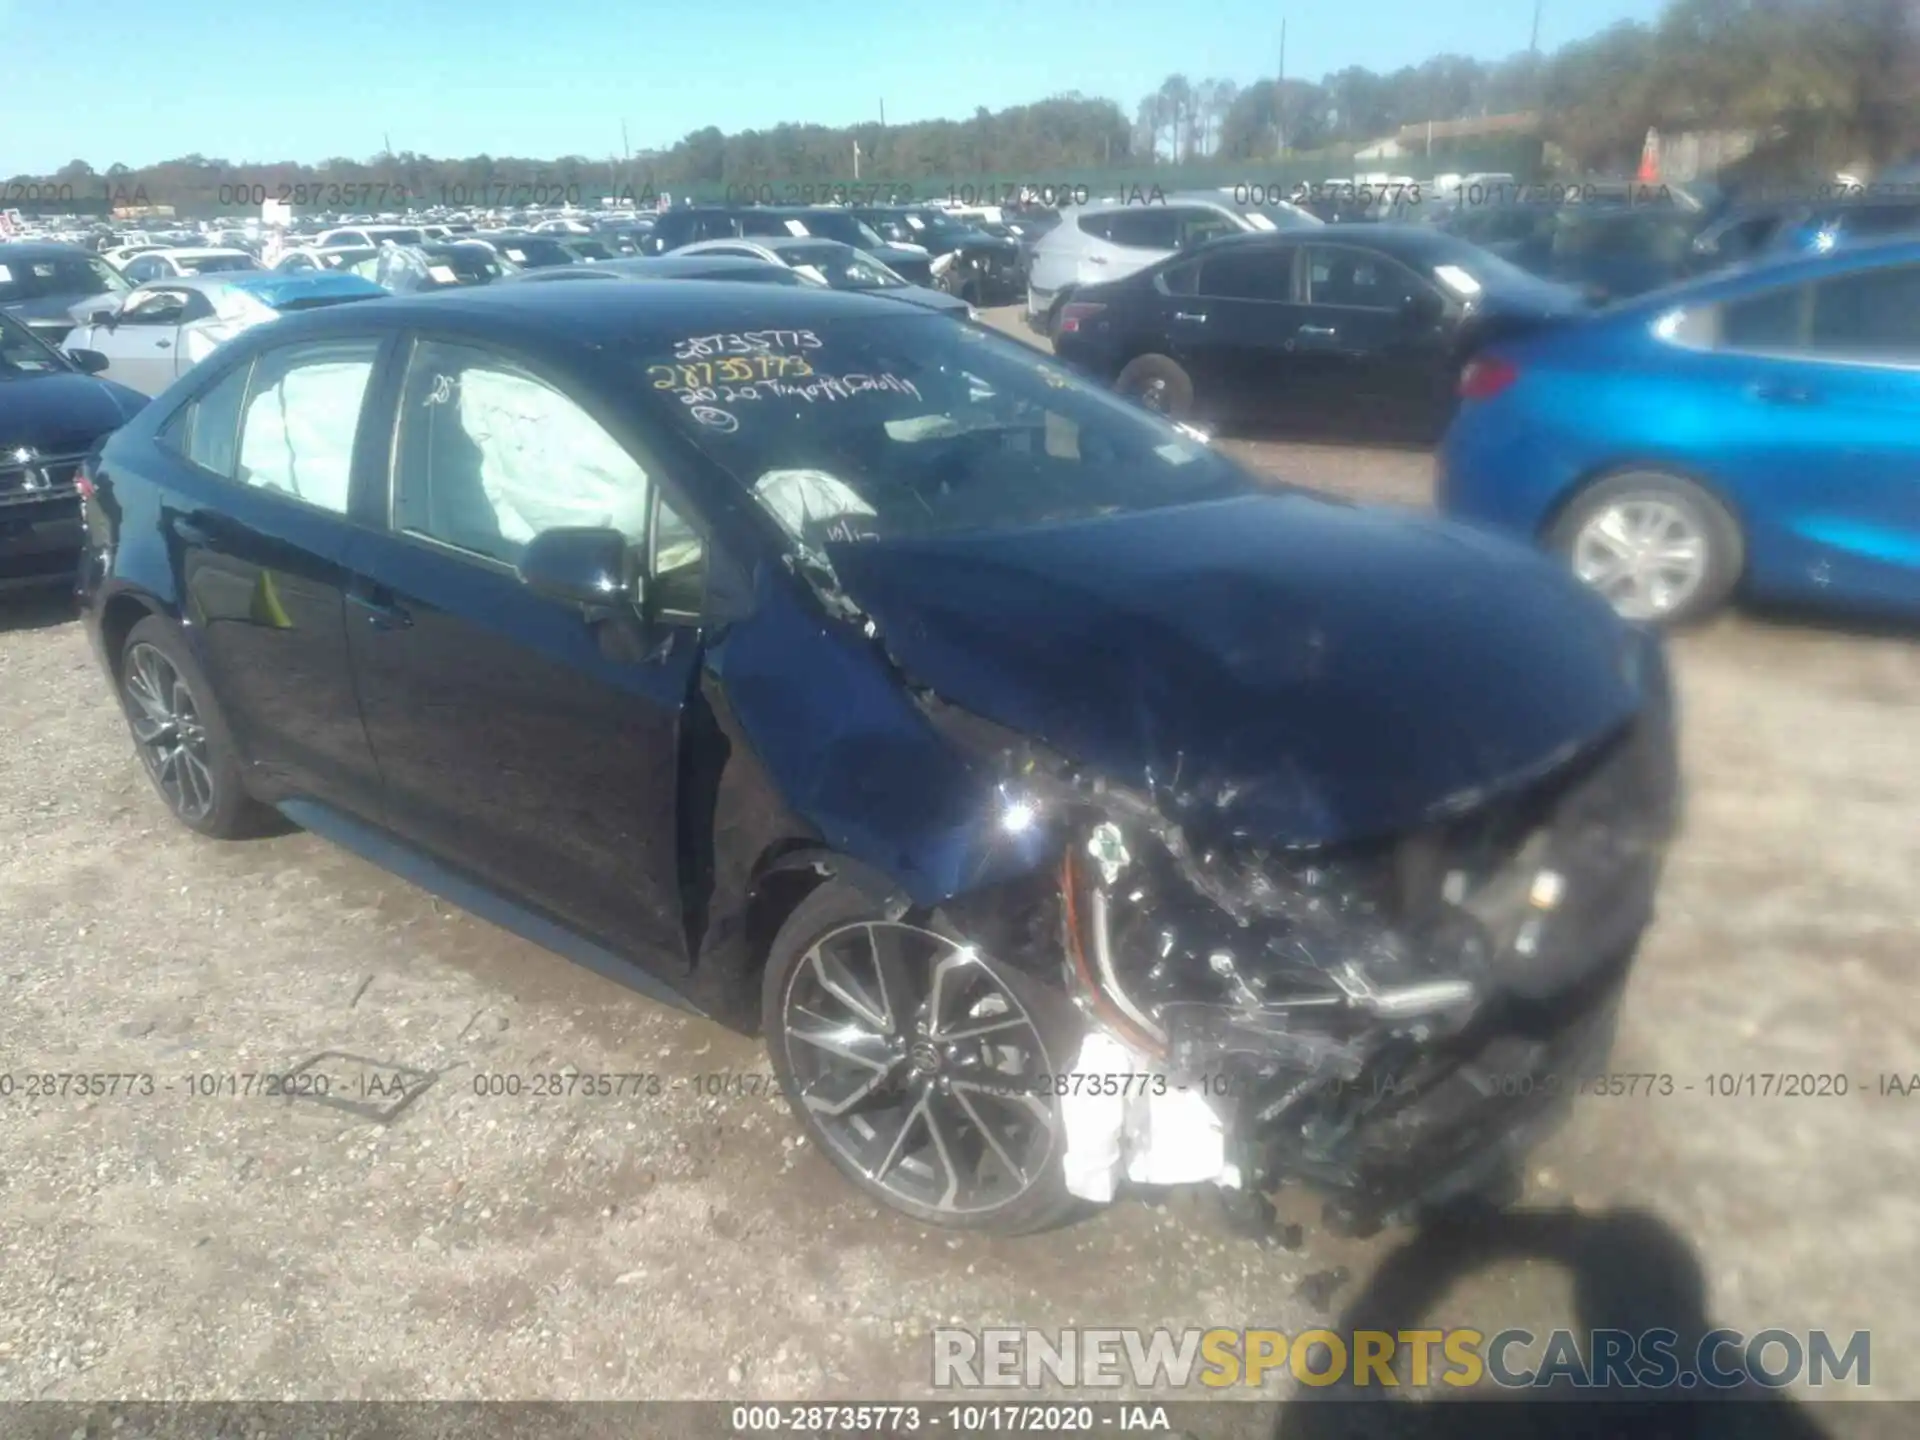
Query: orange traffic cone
(1649, 173)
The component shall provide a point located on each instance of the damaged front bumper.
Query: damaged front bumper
(1394, 1028)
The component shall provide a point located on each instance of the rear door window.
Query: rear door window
(1151, 227)
(1874, 315)
(302, 413)
(1259, 273)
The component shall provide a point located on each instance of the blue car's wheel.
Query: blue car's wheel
(1658, 546)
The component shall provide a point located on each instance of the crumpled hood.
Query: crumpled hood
(1324, 672)
(62, 414)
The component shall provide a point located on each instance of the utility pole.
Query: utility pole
(1533, 45)
(1280, 98)
(883, 114)
(856, 159)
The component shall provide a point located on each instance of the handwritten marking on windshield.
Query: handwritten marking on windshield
(750, 342)
(717, 419)
(734, 370)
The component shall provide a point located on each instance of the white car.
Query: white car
(172, 264)
(1111, 239)
(562, 226)
(157, 332)
(368, 237)
(310, 258)
(119, 255)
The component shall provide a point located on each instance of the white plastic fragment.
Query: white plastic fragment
(1149, 1135)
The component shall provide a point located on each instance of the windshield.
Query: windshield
(912, 426)
(841, 266)
(215, 264)
(590, 249)
(23, 355)
(398, 234)
(58, 275)
(345, 259)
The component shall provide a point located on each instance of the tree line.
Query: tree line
(1821, 82)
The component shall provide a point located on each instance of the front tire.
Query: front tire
(1159, 383)
(918, 1065)
(181, 737)
(1658, 546)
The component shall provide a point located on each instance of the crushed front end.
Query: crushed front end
(1391, 1022)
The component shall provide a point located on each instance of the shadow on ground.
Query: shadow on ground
(1630, 1271)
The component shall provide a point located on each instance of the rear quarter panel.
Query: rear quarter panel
(1597, 397)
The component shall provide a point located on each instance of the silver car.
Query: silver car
(833, 264)
(1111, 239)
(158, 331)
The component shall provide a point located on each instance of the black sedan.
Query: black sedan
(1361, 333)
(981, 269)
(867, 680)
(51, 414)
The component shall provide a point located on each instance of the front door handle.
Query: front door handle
(382, 609)
(1325, 332)
(163, 344)
(1770, 393)
(1189, 316)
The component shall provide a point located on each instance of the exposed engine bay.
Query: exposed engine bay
(1388, 1020)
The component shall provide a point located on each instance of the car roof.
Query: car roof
(1789, 269)
(587, 316)
(42, 250)
(199, 252)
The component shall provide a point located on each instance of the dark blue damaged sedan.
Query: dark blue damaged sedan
(1070, 809)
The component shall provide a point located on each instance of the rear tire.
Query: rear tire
(1158, 383)
(1658, 546)
(181, 737)
(923, 1079)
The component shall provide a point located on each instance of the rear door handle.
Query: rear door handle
(1096, 259)
(1325, 332)
(163, 344)
(1190, 317)
(1771, 393)
(382, 609)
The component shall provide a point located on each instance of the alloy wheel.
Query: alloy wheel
(1153, 395)
(919, 1067)
(1647, 555)
(169, 732)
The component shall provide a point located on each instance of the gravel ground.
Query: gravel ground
(180, 1245)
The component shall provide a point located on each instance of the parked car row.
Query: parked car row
(1751, 433)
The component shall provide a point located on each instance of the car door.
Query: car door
(1373, 341)
(259, 467)
(1231, 320)
(522, 742)
(142, 345)
(1819, 434)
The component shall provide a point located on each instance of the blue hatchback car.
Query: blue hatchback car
(1756, 433)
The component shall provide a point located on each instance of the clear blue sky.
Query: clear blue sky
(305, 79)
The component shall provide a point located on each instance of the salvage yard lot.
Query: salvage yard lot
(684, 1243)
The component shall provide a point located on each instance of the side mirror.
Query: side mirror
(581, 566)
(108, 318)
(88, 362)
